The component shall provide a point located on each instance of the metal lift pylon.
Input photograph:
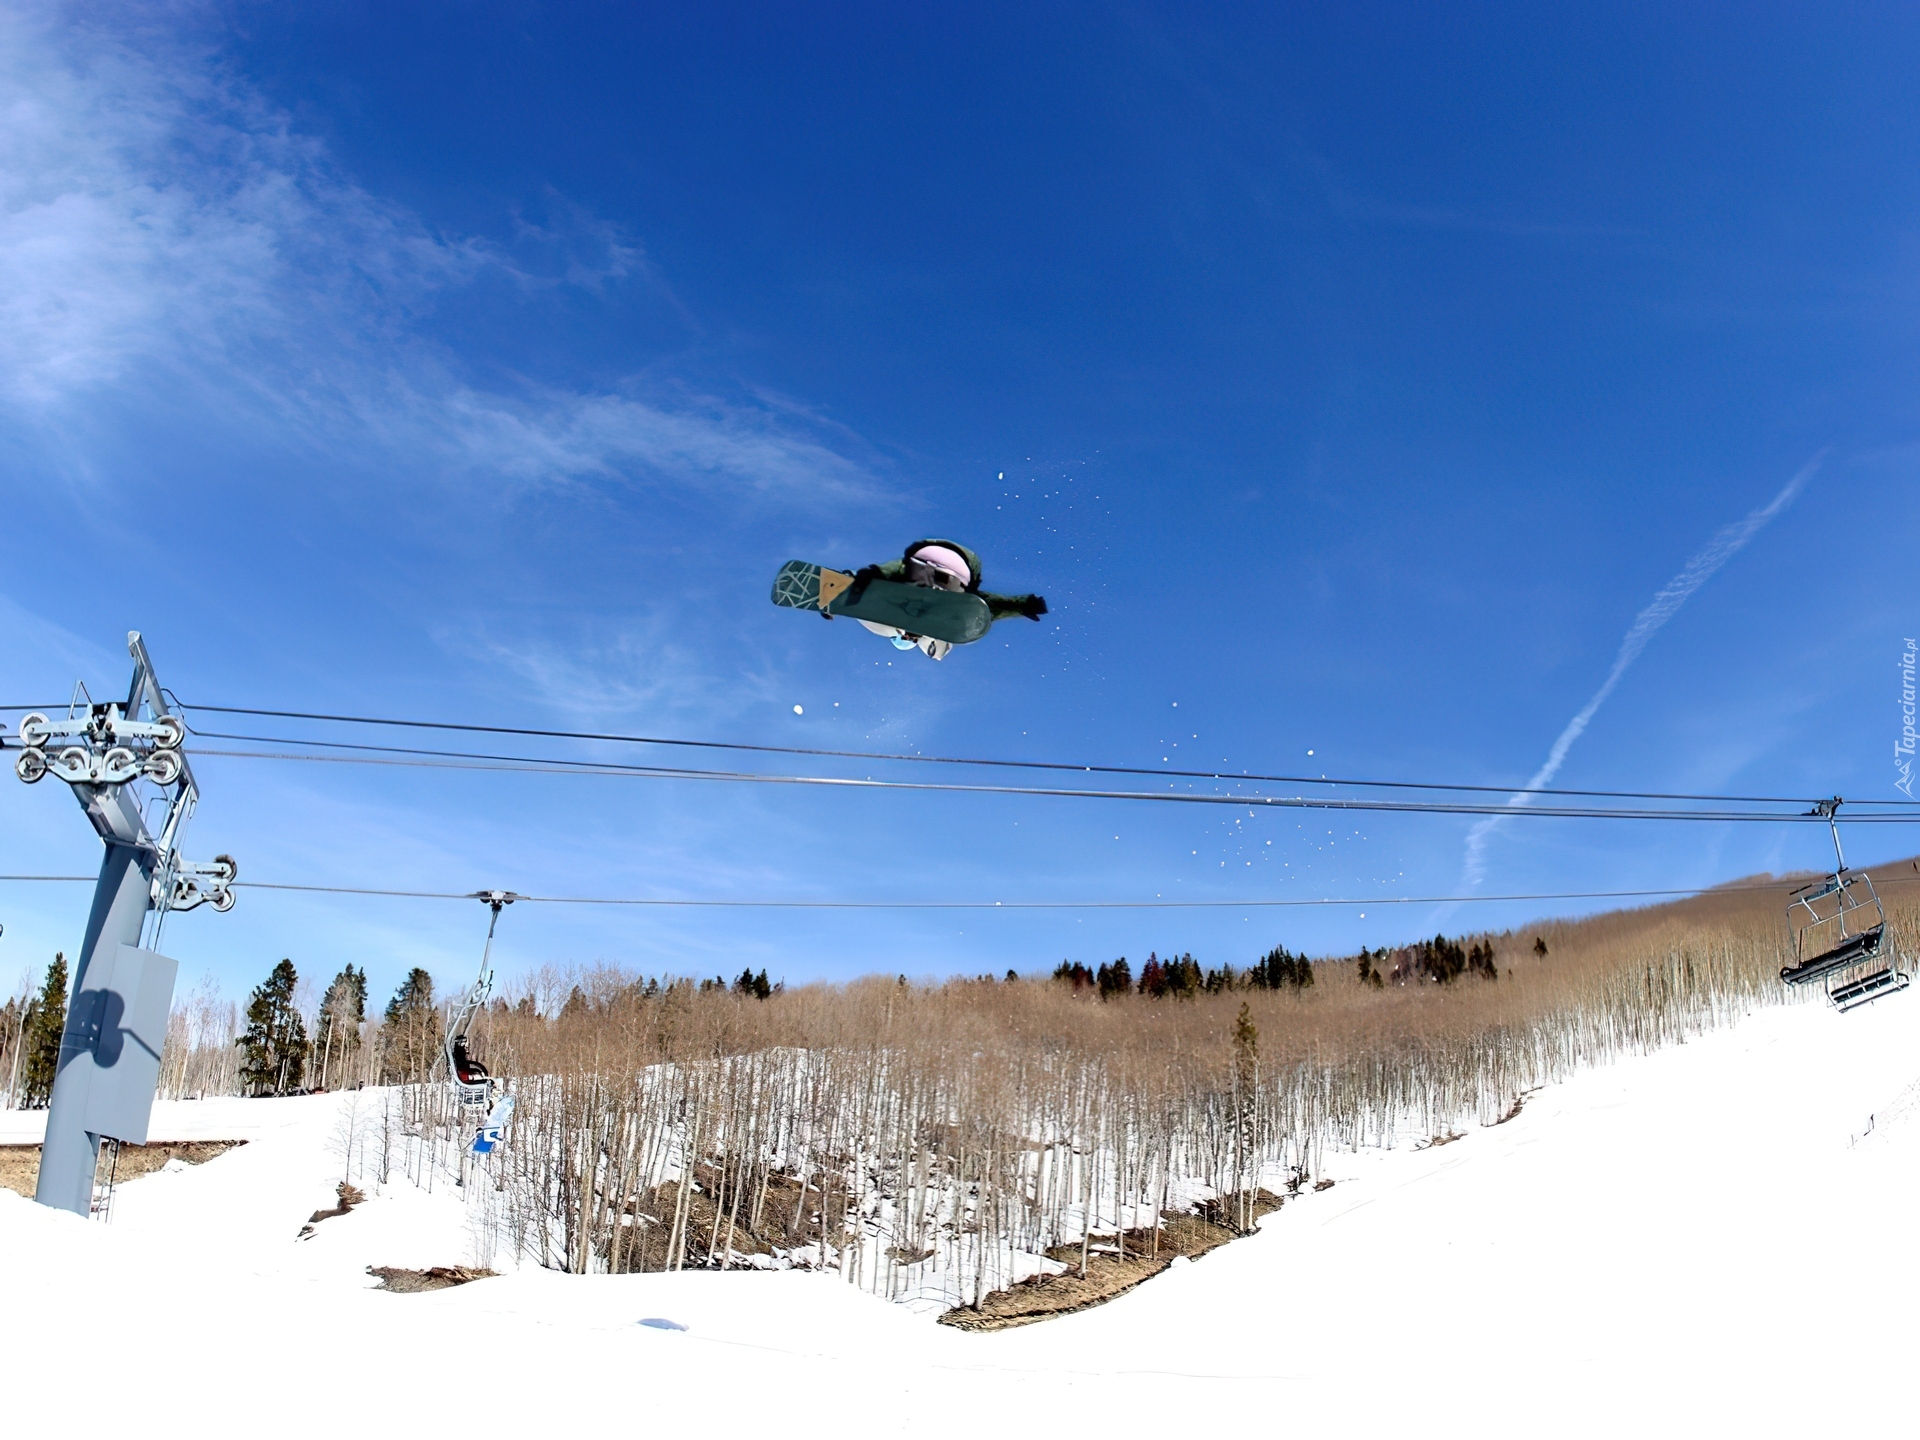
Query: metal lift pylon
(122, 988)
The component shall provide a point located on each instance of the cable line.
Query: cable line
(1516, 804)
(1048, 765)
(510, 764)
(1156, 904)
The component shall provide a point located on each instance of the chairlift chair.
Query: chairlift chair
(472, 1085)
(1840, 933)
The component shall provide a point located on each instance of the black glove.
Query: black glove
(1033, 607)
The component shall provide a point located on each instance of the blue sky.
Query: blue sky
(1357, 379)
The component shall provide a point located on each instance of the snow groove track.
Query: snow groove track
(1608, 1262)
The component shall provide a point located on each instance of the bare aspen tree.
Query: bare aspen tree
(941, 1140)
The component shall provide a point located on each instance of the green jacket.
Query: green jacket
(1001, 606)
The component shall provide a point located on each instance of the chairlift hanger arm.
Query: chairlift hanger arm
(496, 901)
(1833, 827)
(470, 1003)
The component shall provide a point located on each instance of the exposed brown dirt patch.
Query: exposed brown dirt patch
(348, 1196)
(1109, 1272)
(434, 1277)
(20, 1164)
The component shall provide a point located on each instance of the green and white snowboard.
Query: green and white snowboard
(950, 615)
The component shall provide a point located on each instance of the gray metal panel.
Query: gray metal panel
(127, 1015)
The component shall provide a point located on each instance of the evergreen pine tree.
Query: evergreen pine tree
(1279, 970)
(1246, 1044)
(273, 1048)
(410, 1038)
(1441, 959)
(1480, 960)
(46, 1019)
(1183, 977)
(337, 1032)
(752, 984)
(1153, 977)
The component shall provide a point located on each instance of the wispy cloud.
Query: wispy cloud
(1662, 608)
(169, 240)
(598, 673)
(545, 433)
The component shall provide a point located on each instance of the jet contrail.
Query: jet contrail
(1722, 548)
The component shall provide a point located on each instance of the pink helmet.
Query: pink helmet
(950, 561)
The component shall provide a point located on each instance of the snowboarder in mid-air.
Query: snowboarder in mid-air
(929, 599)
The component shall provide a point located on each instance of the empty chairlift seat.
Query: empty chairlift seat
(1840, 934)
(1883, 981)
(1856, 949)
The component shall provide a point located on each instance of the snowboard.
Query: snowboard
(950, 615)
(493, 1131)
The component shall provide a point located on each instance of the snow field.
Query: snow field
(1685, 1242)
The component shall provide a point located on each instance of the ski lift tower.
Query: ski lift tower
(122, 987)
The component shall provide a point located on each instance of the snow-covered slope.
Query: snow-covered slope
(1690, 1242)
